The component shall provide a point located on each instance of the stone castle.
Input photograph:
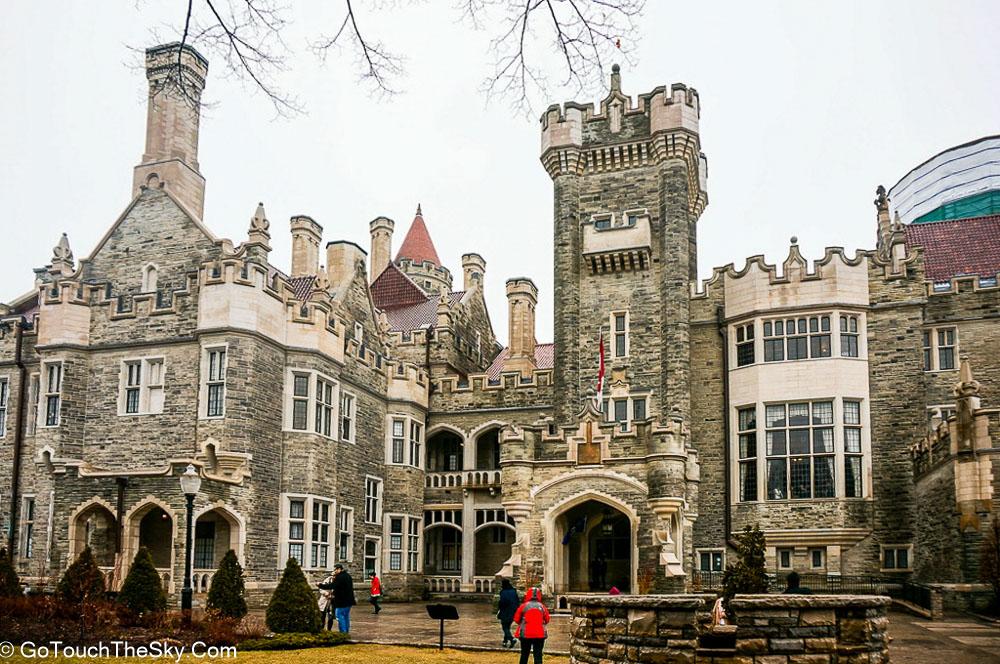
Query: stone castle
(363, 412)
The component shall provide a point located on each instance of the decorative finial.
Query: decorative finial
(62, 257)
(259, 220)
(419, 213)
(616, 78)
(881, 199)
(794, 240)
(322, 282)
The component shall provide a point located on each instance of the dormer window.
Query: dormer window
(149, 277)
(603, 222)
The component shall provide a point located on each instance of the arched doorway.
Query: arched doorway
(488, 450)
(443, 550)
(444, 452)
(493, 546)
(94, 527)
(593, 546)
(216, 531)
(156, 530)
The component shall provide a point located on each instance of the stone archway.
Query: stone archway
(151, 524)
(591, 545)
(94, 526)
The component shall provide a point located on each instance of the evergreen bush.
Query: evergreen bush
(226, 595)
(142, 592)
(295, 641)
(82, 582)
(749, 574)
(293, 605)
(10, 584)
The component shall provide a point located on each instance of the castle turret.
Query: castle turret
(343, 260)
(381, 232)
(418, 258)
(306, 236)
(522, 298)
(176, 77)
(473, 271)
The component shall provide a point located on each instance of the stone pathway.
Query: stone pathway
(959, 640)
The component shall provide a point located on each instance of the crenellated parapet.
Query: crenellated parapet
(624, 133)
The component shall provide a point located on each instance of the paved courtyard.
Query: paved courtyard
(914, 640)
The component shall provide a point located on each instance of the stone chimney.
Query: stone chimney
(522, 296)
(474, 269)
(306, 236)
(381, 232)
(343, 260)
(176, 78)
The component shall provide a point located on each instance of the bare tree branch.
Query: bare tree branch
(379, 67)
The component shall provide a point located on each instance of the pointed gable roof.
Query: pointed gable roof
(394, 289)
(417, 246)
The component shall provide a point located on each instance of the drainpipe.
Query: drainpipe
(122, 482)
(19, 422)
(720, 318)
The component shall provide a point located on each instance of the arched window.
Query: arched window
(149, 275)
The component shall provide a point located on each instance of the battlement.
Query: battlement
(481, 382)
(619, 117)
(940, 444)
(406, 382)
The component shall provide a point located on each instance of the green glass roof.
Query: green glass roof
(978, 205)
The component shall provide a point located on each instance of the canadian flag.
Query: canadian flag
(600, 373)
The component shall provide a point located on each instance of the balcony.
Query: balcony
(446, 480)
(481, 479)
(621, 247)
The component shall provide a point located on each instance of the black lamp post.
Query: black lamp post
(190, 483)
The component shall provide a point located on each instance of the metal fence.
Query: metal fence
(830, 584)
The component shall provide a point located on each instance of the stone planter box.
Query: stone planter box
(768, 629)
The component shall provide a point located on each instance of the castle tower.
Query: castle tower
(381, 233)
(522, 298)
(473, 271)
(418, 258)
(629, 186)
(306, 237)
(176, 80)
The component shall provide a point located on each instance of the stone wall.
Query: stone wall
(785, 629)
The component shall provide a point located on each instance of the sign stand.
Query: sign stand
(442, 612)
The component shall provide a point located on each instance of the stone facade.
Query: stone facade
(371, 417)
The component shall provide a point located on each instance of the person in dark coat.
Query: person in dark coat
(794, 586)
(509, 601)
(343, 597)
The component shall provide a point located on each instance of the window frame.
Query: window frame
(347, 411)
(392, 549)
(788, 432)
(212, 380)
(373, 503)
(308, 521)
(414, 542)
(27, 519)
(744, 338)
(4, 403)
(933, 348)
(749, 461)
(312, 402)
(343, 511)
(803, 335)
(49, 418)
(145, 389)
(624, 334)
(791, 558)
(376, 567)
(711, 553)
(896, 548)
(821, 550)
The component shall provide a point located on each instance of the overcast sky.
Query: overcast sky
(806, 108)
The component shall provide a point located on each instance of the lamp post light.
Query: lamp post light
(190, 484)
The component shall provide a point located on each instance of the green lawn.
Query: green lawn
(348, 654)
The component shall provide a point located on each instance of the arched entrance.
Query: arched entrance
(444, 452)
(443, 550)
(216, 531)
(493, 546)
(151, 525)
(592, 546)
(488, 450)
(94, 527)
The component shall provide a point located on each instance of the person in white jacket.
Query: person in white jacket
(326, 602)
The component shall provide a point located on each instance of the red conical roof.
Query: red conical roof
(417, 246)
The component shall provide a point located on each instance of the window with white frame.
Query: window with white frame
(4, 396)
(348, 406)
(320, 545)
(345, 535)
(359, 336)
(325, 390)
(800, 451)
(745, 344)
(27, 526)
(711, 560)
(141, 391)
(373, 499)
(149, 278)
(853, 466)
(307, 530)
(940, 348)
(625, 410)
(397, 442)
(416, 440)
(849, 333)
(817, 558)
(897, 557)
(638, 408)
(215, 381)
(619, 334)
(396, 543)
(747, 433)
(53, 393)
(413, 545)
(373, 547)
(33, 388)
(300, 401)
(797, 338)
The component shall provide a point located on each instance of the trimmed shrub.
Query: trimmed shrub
(82, 582)
(10, 584)
(293, 605)
(142, 592)
(295, 641)
(749, 574)
(226, 595)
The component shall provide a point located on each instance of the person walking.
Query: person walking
(375, 593)
(326, 602)
(509, 602)
(531, 618)
(343, 597)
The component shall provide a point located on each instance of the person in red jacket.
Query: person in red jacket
(375, 593)
(531, 618)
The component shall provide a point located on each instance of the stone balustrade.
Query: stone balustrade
(767, 629)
